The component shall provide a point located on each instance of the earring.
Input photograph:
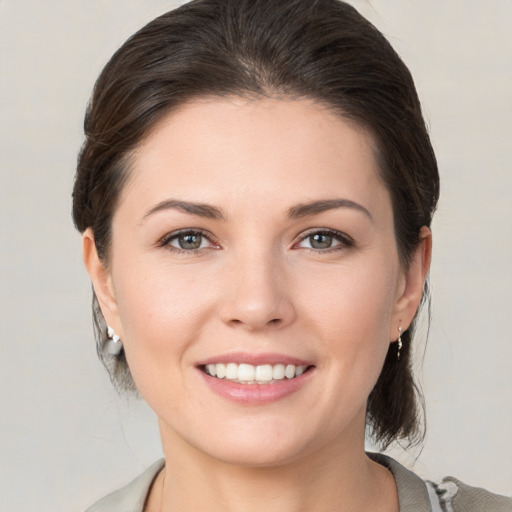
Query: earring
(114, 345)
(399, 342)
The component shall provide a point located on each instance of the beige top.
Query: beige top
(414, 494)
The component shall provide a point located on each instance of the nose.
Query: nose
(257, 295)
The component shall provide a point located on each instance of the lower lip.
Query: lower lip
(256, 393)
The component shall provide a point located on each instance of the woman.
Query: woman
(255, 194)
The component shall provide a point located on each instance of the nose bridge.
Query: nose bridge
(257, 295)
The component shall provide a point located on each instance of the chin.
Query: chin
(252, 456)
(256, 445)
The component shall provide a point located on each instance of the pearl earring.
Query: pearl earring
(114, 345)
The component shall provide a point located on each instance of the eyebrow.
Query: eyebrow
(199, 209)
(296, 212)
(316, 207)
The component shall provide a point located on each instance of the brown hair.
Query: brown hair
(319, 49)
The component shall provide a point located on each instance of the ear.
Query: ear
(101, 280)
(411, 290)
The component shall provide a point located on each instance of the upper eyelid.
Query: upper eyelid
(174, 234)
(344, 241)
(329, 231)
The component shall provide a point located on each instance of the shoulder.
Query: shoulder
(451, 495)
(132, 497)
(456, 496)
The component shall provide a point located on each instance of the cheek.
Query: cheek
(356, 298)
(153, 296)
(351, 315)
(162, 313)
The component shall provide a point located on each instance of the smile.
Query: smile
(250, 374)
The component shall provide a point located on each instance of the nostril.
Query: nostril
(272, 322)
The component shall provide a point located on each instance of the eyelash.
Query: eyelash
(344, 241)
(167, 239)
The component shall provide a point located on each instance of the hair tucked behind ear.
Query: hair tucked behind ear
(318, 49)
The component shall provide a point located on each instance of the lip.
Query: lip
(255, 394)
(255, 359)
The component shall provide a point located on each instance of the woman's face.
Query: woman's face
(254, 278)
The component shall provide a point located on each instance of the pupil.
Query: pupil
(190, 241)
(320, 241)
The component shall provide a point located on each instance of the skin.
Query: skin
(259, 285)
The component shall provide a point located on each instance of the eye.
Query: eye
(323, 240)
(187, 241)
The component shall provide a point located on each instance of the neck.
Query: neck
(337, 478)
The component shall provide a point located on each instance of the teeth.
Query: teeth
(220, 370)
(249, 374)
(245, 372)
(264, 372)
(278, 371)
(231, 371)
(289, 373)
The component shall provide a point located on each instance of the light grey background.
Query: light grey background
(66, 438)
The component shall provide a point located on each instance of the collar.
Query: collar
(413, 495)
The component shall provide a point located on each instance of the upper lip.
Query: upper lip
(254, 359)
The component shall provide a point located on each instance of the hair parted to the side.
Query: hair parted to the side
(318, 49)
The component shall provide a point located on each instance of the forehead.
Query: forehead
(264, 150)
